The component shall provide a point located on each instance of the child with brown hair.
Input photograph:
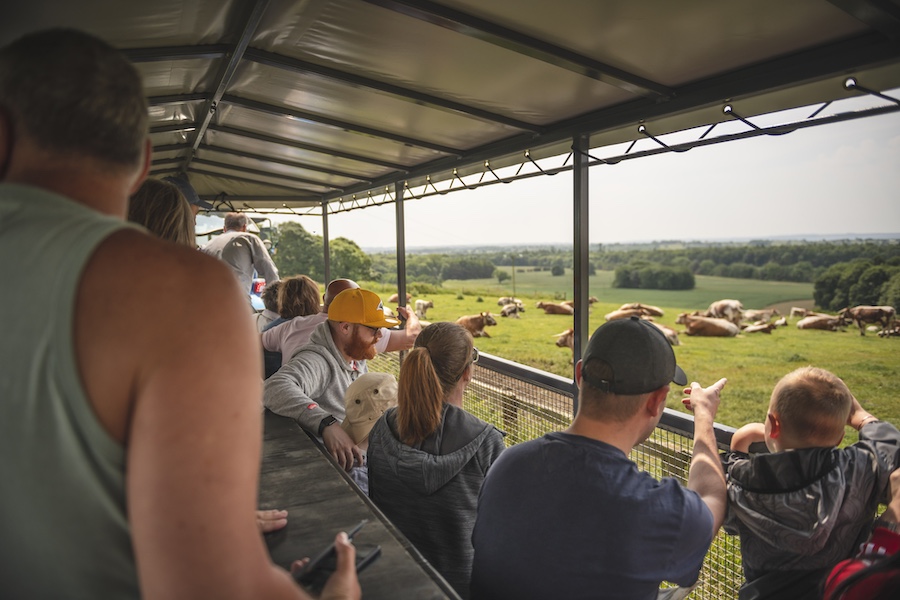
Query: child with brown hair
(806, 505)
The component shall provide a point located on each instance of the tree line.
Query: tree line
(844, 273)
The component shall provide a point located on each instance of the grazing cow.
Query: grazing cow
(422, 306)
(649, 309)
(707, 326)
(511, 310)
(551, 308)
(825, 322)
(765, 315)
(860, 315)
(759, 328)
(730, 310)
(475, 324)
(396, 298)
(624, 314)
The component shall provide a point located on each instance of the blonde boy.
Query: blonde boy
(806, 504)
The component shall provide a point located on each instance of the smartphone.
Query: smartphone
(316, 573)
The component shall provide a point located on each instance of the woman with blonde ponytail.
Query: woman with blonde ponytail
(428, 457)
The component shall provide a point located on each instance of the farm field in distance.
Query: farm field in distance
(752, 363)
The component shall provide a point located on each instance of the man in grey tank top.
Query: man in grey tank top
(98, 375)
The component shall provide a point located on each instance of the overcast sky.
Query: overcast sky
(830, 179)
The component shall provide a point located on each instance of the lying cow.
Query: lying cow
(649, 309)
(422, 306)
(475, 324)
(591, 301)
(765, 315)
(396, 299)
(508, 300)
(512, 310)
(707, 326)
(796, 311)
(671, 334)
(782, 322)
(860, 315)
(730, 310)
(759, 328)
(551, 308)
(624, 314)
(824, 322)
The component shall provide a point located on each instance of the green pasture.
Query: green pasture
(752, 363)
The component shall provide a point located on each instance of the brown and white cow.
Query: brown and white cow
(551, 308)
(624, 314)
(649, 309)
(396, 298)
(796, 311)
(824, 322)
(863, 314)
(475, 324)
(728, 309)
(765, 315)
(422, 306)
(707, 326)
(566, 339)
(671, 334)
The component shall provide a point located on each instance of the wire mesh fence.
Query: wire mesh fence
(526, 404)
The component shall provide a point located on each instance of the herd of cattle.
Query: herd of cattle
(723, 318)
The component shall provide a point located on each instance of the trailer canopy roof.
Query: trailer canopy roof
(291, 104)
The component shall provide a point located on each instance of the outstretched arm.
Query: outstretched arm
(404, 339)
(706, 476)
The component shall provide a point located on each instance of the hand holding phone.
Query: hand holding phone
(315, 574)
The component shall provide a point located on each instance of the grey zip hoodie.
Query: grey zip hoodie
(430, 492)
(312, 384)
(807, 509)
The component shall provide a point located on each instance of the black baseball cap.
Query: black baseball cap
(638, 354)
(187, 190)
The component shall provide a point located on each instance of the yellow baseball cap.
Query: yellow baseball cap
(360, 306)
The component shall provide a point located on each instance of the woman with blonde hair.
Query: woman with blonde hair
(163, 210)
(428, 457)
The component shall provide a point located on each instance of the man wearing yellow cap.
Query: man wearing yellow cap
(311, 387)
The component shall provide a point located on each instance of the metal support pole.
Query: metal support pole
(401, 243)
(580, 246)
(326, 253)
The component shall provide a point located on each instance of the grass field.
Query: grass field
(753, 363)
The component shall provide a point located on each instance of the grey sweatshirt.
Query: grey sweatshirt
(430, 492)
(312, 385)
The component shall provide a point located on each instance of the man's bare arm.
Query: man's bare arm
(192, 428)
(404, 339)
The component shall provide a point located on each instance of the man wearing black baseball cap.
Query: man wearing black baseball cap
(577, 512)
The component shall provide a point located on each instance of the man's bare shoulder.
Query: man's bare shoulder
(163, 269)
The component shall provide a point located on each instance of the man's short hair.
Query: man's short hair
(234, 220)
(812, 404)
(74, 93)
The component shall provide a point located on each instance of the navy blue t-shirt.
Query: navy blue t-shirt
(565, 516)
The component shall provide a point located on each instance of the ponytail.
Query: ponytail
(420, 398)
(430, 372)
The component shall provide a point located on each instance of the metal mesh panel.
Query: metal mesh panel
(526, 410)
